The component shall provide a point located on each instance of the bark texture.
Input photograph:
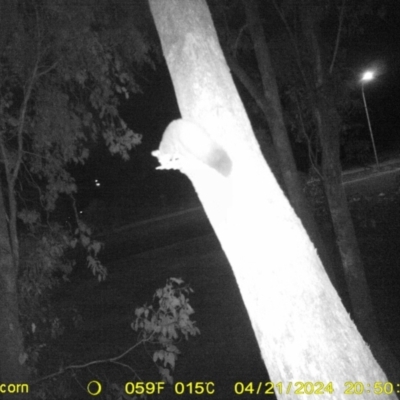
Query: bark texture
(302, 328)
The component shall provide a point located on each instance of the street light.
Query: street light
(367, 76)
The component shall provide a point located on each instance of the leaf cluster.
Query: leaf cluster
(165, 323)
(160, 326)
(44, 265)
(65, 68)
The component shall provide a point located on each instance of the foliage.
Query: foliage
(64, 72)
(92, 247)
(165, 323)
(65, 68)
(43, 267)
(159, 326)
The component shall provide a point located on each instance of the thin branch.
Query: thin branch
(293, 41)
(31, 180)
(235, 46)
(21, 123)
(47, 70)
(5, 157)
(339, 31)
(130, 369)
(95, 362)
(311, 156)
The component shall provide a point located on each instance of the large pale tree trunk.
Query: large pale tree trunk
(327, 122)
(302, 328)
(12, 354)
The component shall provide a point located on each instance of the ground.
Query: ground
(226, 352)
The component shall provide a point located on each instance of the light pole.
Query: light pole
(367, 76)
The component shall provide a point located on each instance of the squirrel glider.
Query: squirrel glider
(183, 141)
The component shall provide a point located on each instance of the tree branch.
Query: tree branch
(341, 17)
(293, 41)
(94, 362)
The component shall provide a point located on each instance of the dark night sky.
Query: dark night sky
(150, 112)
(379, 49)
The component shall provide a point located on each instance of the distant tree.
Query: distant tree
(303, 330)
(64, 68)
(317, 83)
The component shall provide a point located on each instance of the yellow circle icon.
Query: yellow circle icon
(92, 386)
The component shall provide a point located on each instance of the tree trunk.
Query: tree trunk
(360, 299)
(12, 354)
(327, 123)
(302, 328)
(273, 111)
